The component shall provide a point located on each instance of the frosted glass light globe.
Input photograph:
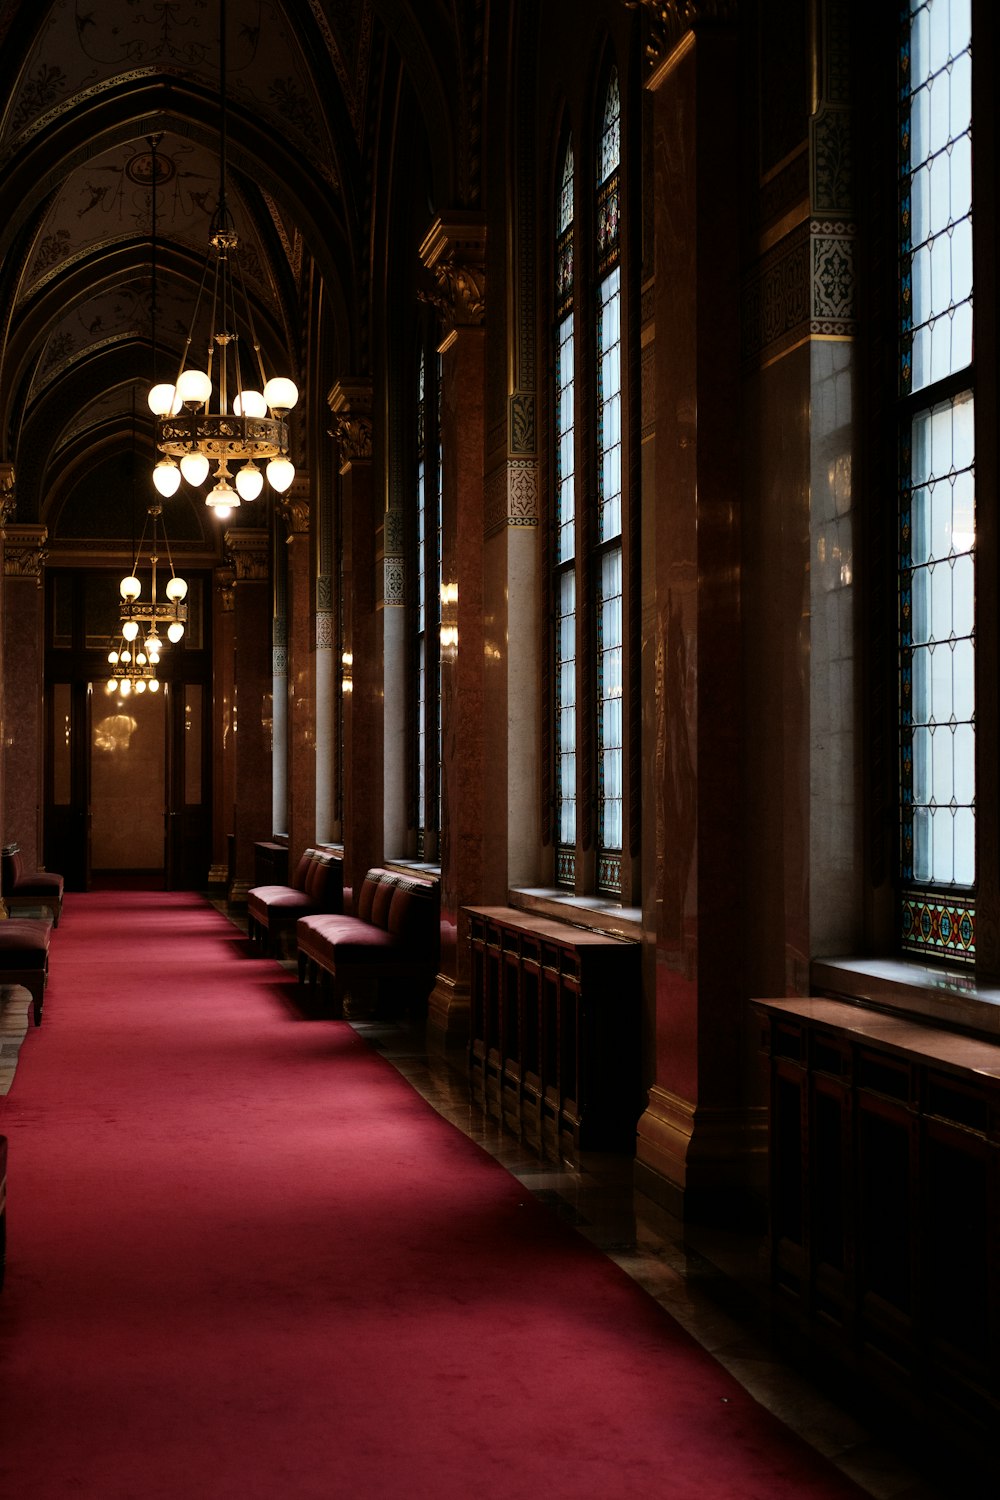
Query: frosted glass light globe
(174, 631)
(110, 685)
(250, 404)
(223, 499)
(130, 629)
(140, 686)
(154, 686)
(126, 687)
(130, 588)
(176, 589)
(280, 473)
(113, 658)
(280, 393)
(164, 400)
(194, 387)
(249, 481)
(166, 478)
(194, 467)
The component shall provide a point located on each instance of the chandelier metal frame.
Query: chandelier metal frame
(247, 424)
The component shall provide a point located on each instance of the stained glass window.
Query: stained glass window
(565, 535)
(937, 518)
(610, 743)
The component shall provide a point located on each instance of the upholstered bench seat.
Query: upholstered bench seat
(394, 935)
(21, 887)
(24, 957)
(3, 1208)
(316, 886)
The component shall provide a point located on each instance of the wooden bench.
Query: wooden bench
(24, 957)
(395, 934)
(316, 886)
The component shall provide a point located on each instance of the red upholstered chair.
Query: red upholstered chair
(24, 958)
(20, 887)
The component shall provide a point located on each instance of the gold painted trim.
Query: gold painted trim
(783, 227)
(672, 60)
(786, 161)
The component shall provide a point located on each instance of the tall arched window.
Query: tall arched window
(565, 532)
(937, 484)
(608, 559)
(589, 511)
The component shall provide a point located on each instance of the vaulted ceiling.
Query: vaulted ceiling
(98, 91)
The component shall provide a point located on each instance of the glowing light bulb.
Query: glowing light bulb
(280, 393)
(249, 481)
(194, 387)
(280, 473)
(166, 478)
(194, 467)
(250, 404)
(130, 629)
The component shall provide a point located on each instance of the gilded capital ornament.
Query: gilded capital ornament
(293, 508)
(25, 551)
(454, 252)
(247, 551)
(8, 495)
(350, 402)
(224, 582)
(669, 21)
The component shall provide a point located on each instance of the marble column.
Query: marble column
(301, 714)
(698, 1139)
(252, 708)
(223, 739)
(8, 509)
(362, 673)
(23, 688)
(453, 251)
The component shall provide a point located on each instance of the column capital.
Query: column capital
(247, 551)
(24, 550)
(8, 493)
(350, 402)
(293, 508)
(224, 582)
(670, 22)
(454, 251)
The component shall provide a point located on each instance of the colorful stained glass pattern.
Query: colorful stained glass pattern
(608, 175)
(942, 929)
(564, 236)
(936, 192)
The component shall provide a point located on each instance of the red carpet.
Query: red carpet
(247, 1260)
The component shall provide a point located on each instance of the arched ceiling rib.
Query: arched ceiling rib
(84, 84)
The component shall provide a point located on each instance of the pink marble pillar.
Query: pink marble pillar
(698, 1138)
(351, 404)
(223, 743)
(251, 714)
(301, 765)
(454, 252)
(23, 688)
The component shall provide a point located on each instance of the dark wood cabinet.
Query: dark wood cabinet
(554, 1040)
(885, 1200)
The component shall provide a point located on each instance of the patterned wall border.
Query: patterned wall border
(510, 496)
(279, 662)
(776, 304)
(834, 278)
(324, 632)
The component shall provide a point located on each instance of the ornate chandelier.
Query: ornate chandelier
(133, 662)
(228, 413)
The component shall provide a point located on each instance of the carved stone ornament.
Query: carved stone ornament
(25, 551)
(350, 401)
(8, 497)
(248, 552)
(224, 582)
(294, 511)
(454, 251)
(669, 21)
